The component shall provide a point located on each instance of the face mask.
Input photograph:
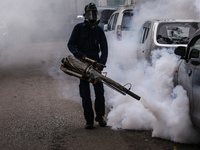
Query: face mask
(91, 22)
(91, 15)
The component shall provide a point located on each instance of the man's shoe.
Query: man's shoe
(101, 121)
(89, 125)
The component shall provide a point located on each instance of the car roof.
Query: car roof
(173, 20)
(123, 9)
(99, 8)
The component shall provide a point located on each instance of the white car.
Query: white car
(158, 34)
(120, 24)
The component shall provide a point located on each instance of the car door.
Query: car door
(194, 60)
(184, 78)
(196, 96)
(110, 34)
(127, 24)
(144, 34)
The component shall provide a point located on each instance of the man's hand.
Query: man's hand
(63, 60)
(97, 66)
(84, 56)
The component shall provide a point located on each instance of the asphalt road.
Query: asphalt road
(34, 114)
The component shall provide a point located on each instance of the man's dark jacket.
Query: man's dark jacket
(89, 42)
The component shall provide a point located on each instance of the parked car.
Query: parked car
(104, 13)
(158, 34)
(187, 74)
(120, 24)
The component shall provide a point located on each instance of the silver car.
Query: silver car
(158, 34)
(187, 74)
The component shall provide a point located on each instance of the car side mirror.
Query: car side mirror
(80, 17)
(181, 50)
(105, 27)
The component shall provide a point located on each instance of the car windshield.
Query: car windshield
(176, 32)
(195, 49)
(127, 21)
(197, 44)
(104, 16)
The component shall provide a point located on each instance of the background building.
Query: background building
(114, 2)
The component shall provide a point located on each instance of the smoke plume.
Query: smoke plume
(163, 108)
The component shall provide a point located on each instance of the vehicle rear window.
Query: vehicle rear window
(104, 16)
(176, 32)
(127, 21)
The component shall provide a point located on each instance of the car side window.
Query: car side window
(110, 23)
(195, 48)
(115, 21)
(146, 34)
(145, 31)
(141, 34)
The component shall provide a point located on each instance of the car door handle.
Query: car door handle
(190, 72)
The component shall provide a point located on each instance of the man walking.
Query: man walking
(88, 40)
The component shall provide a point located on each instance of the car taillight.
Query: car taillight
(119, 32)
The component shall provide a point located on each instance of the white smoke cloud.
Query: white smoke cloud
(37, 35)
(36, 22)
(170, 9)
(163, 108)
(30, 21)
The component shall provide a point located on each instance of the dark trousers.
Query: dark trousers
(84, 89)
